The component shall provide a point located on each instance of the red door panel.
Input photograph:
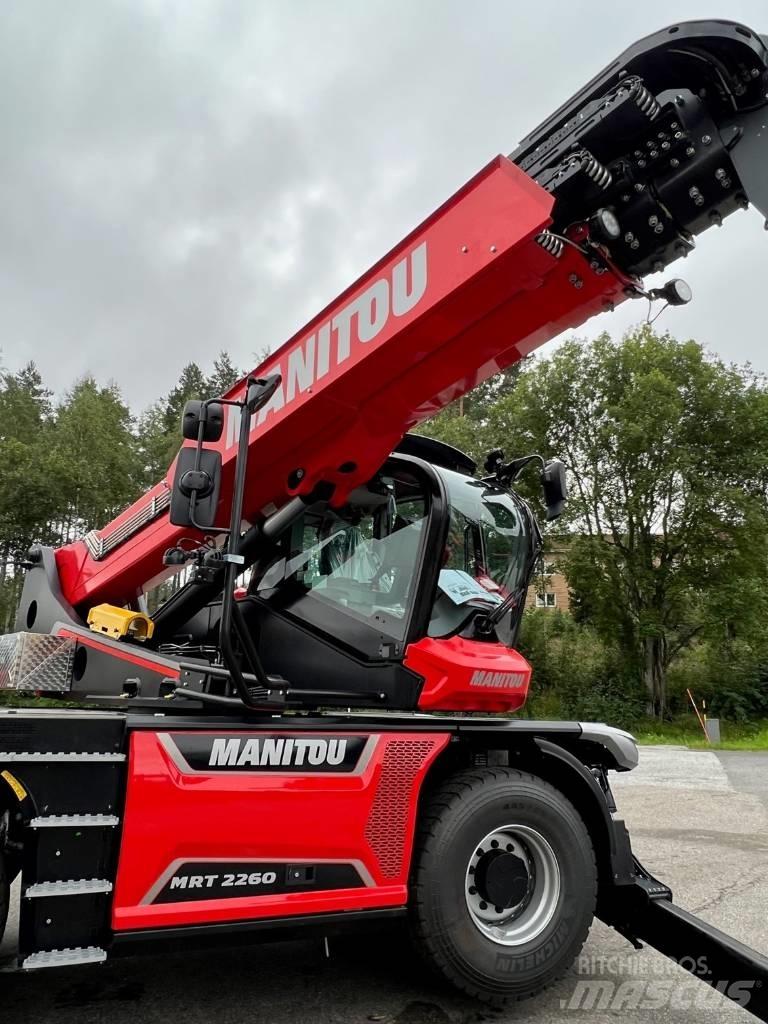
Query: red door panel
(236, 825)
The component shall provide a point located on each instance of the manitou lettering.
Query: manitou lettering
(265, 752)
(498, 680)
(357, 323)
(288, 752)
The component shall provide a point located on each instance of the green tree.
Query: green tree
(192, 384)
(478, 403)
(97, 451)
(160, 425)
(223, 376)
(154, 443)
(159, 428)
(261, 356)
(577, 673)
(665, 447)
(463, 432)
(30, 498)
(27, 497)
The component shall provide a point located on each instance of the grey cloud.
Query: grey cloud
(176, 178)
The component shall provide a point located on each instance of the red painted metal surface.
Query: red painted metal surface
(172, 815)
(469, 675)
(464, 295)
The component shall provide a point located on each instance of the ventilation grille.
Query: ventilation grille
(386, 830)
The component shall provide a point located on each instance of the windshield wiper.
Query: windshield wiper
(486, 624)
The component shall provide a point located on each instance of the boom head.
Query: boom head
(669, 139)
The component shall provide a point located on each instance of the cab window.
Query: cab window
(487, 554)
(360, 563)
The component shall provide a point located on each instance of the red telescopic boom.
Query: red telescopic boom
(666, 142)
(469, 292)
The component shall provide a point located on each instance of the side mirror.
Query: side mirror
(555, 488)
(196, 485)
(208, 414)
(197, 479)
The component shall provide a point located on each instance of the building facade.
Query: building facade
(548, 587)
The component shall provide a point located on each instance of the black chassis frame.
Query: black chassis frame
(575, 757)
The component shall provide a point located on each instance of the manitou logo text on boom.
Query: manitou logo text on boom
(358, 323)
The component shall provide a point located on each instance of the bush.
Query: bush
(576, 675)
(732, 677)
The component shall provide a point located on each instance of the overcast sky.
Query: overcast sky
(181, 177)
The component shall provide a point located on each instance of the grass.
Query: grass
(747, 736)
(683, 731)
(14, 699)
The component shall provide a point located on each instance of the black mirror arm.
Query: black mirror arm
(198, 483)
(194, 522)
(507, 473)
(198, 455)
(258, 393)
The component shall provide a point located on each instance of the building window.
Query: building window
(547, 600)
(545, 568)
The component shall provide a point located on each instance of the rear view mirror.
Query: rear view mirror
(196, 484)
(197, 479)
(209, 415)
(555, 488)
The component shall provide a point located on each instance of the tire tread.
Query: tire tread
(445, 802)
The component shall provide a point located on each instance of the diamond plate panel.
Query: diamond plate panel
(35, 661)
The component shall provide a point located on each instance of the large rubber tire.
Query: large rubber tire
(5, 896)
(467, 808)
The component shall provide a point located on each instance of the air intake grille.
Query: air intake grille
(387, 828)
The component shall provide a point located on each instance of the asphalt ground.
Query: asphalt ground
(698, 820)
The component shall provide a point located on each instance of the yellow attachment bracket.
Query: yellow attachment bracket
(16, 786)
(117, 623)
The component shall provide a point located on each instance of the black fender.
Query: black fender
(610, 838)
(574, 758)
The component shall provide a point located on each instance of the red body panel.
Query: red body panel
(466, 294)
(473, 675)
(174, 813)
